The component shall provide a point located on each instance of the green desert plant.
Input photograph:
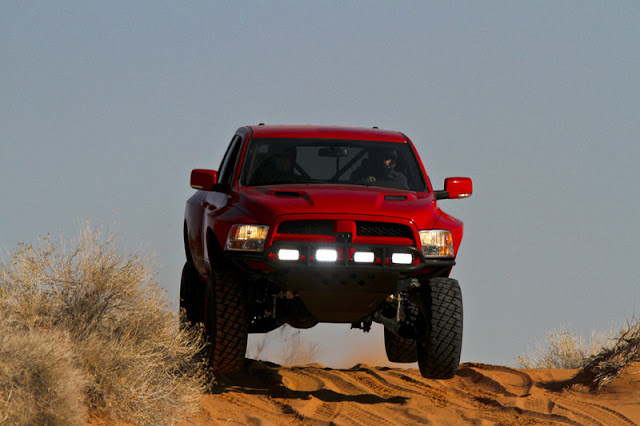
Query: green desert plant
(87, 332)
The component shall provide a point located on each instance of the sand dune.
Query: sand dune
(481, 394)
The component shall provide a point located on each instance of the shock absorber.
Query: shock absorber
(400, 308)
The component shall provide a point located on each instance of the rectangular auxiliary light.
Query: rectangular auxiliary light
(326, 255)
(363, 257)
(402, 258)
(288, 254)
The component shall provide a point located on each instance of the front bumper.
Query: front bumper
(342, 290)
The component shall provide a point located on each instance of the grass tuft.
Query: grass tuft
(563, 349)
(86, 332)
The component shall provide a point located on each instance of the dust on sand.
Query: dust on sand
(480, 394)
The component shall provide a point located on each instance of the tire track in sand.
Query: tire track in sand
(356, 398)
(481, 394)
(515, 390)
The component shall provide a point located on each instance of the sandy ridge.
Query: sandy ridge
(481, 394)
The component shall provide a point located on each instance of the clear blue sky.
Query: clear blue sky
(105, 108)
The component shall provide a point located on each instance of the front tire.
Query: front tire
(440, 331)
(225, 321)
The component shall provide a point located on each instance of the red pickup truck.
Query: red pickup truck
(308, 224)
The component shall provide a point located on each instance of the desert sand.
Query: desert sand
(480, 394)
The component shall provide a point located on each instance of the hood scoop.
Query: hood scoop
(395, 197)
(287, 194)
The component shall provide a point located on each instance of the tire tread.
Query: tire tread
(439, 351)
(228, 306)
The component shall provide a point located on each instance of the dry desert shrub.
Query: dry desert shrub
(40, 378)
(608, 364)
(92, 321)
(563, 349)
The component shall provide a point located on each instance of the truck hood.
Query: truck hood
(265, 203)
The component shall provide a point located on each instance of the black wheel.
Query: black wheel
(400, 349)
(191, 295)
(225, 321)
(440, 328)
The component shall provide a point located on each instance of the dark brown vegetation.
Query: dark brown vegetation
(609, 363)
(85, 333)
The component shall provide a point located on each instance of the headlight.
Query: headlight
(436, 243)
(247, 237)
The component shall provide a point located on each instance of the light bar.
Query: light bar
(326, 255)
(402, 258)
(288, 254)
(364, 257)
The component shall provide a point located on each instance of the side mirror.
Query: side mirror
(203, 179)
(455, 187)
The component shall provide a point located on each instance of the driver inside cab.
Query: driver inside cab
(380, 167)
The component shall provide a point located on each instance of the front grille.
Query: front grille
(307, 227)
(327, 227)
(383, 229)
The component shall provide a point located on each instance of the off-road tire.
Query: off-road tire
(225, 321)
(440, 328)
(191, 295)
(400, 349)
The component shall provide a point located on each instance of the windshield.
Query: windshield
(316, 161)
